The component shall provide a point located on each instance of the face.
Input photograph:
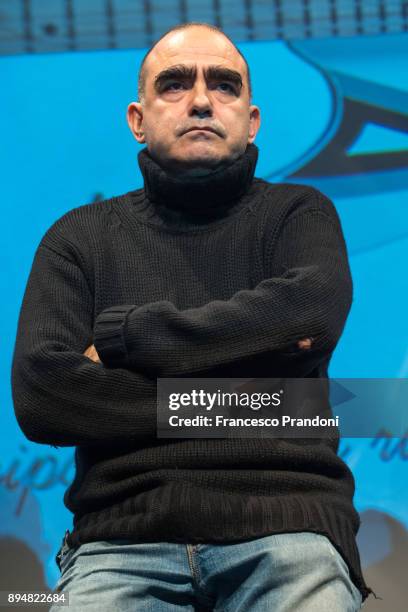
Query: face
(195, 79)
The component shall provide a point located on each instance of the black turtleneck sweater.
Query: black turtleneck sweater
(218, 276)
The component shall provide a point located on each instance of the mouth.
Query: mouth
(201, 129)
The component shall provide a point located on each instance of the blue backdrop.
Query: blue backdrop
(332, 116)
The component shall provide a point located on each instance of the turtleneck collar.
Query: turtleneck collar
(210, 195)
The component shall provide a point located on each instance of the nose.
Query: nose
(200, 104)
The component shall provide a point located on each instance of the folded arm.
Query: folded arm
(308, 299)
(60, 396)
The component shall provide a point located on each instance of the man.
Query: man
(205, 271)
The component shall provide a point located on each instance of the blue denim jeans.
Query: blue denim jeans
(290, 572)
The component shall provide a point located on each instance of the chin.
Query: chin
(206, 155)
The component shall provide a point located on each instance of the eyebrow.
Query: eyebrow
(189, 73)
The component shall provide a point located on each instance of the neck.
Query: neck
(211, 193)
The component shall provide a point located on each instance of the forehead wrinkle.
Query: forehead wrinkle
(170, 61)
(166, 51)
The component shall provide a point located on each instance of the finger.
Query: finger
(305, 344)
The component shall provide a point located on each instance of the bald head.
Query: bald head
(172, 38)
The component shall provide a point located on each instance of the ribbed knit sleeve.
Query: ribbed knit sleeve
(309, 298)
(60, 396)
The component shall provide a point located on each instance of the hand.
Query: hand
(92, 354)
(305, 344)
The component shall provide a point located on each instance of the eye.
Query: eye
(170, 86)
(226, 87)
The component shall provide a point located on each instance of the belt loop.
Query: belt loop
(64, 545)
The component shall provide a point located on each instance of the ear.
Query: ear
(134, 117)
(254, 122)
